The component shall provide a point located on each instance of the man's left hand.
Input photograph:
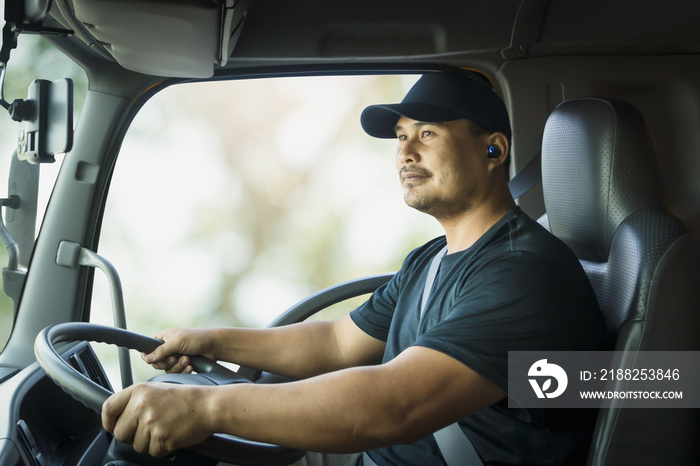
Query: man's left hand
(157, 418)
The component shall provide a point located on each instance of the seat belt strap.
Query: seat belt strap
(432, 274)
(367, 461)
(455, 446)
(528, 177)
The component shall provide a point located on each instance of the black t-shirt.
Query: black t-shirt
(517, 288)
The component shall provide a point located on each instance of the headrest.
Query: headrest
(598, 166)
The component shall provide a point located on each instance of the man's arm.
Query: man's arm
(355, 409)
(299, 350)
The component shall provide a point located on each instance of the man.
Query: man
(401, 367)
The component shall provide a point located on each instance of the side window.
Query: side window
(231, 201)
(34, 58)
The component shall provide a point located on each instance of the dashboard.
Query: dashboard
(41, 425)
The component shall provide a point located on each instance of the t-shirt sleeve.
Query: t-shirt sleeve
(491, 313)
(374, 316)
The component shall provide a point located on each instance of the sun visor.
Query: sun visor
(173, 38)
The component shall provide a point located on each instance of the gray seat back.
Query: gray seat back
(605, 198)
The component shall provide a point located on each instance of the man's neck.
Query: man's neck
(466, 228)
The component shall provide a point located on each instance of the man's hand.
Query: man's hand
(158, 418)
(172, 355)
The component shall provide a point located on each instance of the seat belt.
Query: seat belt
(430, 280)
(454, 445)
(528, 176)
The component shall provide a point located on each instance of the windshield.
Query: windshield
(231, 201)
(34, 58)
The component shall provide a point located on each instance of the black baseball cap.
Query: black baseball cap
(438, 97)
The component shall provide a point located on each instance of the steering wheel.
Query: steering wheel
(219, 447)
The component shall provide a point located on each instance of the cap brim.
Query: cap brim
(380, 121)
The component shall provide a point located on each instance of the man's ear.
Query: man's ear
(498, 148)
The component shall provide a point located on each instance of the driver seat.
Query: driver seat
(605, 199)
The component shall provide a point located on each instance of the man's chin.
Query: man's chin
(418, 203)
(434, 208)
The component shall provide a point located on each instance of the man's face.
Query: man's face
(443, 167)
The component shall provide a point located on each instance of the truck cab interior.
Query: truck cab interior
(604, 101)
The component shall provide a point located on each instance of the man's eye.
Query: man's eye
(401, 137)
(427, 133)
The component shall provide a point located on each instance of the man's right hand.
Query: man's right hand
(179, 343)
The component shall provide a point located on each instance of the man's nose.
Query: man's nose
(408, 152)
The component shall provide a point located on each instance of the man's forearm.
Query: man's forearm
(355, 409)
(298, 351)
(338, 412)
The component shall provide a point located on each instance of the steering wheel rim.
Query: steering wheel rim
(220, 447)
